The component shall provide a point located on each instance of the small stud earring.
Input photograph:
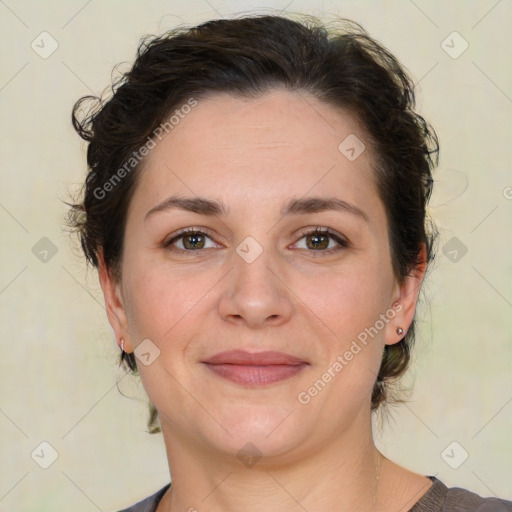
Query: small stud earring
(399, 331)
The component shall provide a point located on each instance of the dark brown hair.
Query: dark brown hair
(246, 57)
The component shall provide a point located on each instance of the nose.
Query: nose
(256, 293)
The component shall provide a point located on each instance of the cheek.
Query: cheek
(347, 305)
(161, 301)
(346, 301)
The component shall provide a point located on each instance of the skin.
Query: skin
(254, 155)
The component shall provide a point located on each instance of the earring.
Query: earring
(122, 344)
(399, 331)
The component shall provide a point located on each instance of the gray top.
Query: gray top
(438, 498)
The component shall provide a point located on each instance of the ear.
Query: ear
(116, 312)
(405, 297)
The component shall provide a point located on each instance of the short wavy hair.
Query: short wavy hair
(247, 56)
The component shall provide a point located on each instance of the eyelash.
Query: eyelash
(341, 241)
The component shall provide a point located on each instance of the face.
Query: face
(262, 329)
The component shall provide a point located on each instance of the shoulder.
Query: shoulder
(440, 498)
(148, 504)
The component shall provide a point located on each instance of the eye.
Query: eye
(190, 239)
(319, 240)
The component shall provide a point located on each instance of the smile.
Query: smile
(255, 369)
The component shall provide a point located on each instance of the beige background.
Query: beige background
(58, 365)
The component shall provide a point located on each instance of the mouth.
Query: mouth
(255, 369)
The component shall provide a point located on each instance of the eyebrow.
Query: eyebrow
(203, 206)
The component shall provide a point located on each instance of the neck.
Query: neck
(341, 475)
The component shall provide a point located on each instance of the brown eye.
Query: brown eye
(190, 240)
(193, 241)
(319, 240)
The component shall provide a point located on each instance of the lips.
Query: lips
(241, 357)
(254, 369)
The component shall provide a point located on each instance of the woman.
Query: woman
(256, 208)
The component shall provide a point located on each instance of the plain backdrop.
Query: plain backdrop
(58, 356)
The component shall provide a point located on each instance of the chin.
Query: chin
(257, 431)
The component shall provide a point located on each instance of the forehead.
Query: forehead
(282, 143)
(276, 118)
